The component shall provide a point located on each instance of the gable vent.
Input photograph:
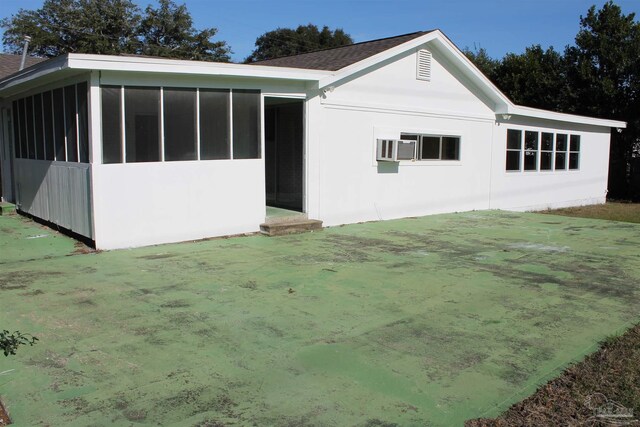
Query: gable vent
(423, 71)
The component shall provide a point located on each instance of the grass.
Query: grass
(612, 211)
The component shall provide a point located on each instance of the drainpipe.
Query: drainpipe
(27, 39)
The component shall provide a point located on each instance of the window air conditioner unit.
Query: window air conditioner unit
(394, 150)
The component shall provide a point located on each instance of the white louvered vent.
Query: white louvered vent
(423, 71)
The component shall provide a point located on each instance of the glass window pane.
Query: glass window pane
(574, 161)
(58, 124)
(430, 147)
(179, 107)
(16, 130)
(530, 160)
(246, 124)
(561, 161)
(214, 124)
(142, 107)
(514, 139)
(70, 123)
(48, 125)
(546, 141)
(111, 124)
(575, 143)
(561, 142)
(409, 137)
(530, 140)
(83, 125)
(24, 145)
(38, 126)
(406, 150)
(450, 148)
(545, 160)
(30, 129)
(513, 160)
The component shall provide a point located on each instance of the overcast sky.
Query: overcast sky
(499, 26)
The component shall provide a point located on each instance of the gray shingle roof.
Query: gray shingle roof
(339, 57)
(10, 63)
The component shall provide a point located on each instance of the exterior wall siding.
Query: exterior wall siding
(57, 192)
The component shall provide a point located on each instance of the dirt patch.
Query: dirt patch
(603, 388)
(4, 417)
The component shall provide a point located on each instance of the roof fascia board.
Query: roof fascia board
(35, 71)
(537, 113)
(172, 66)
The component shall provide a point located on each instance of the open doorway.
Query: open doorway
(284, 130)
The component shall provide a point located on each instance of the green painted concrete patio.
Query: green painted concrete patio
(425, 321)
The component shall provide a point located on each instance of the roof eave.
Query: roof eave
(35, 71)
(520, 110)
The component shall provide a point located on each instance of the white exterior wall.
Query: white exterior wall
(352, 186)
(536, 190)
(138, 204)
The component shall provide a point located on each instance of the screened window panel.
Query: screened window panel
(214, 124)
(246, 124)
(514, 139)
(16, 129)
(179, 106)
(530, 160)
(70, 123)
(450, 148)
(48, 125)
(546, 141)
(142, 124)
(574, 161)
(24, 144)
(530, 140)
(58, 124)
(83, 124)
(38, 126)
(430, 147)
(561, 142)
(545, 160)
(31, 138)
(575, 143)
(406, 150)
(111, 125)
(561, 161)
(513, 160)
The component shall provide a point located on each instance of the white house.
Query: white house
(130, 151)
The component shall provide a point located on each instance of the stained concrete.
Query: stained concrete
(425, 321)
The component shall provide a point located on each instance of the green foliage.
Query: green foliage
(80, 26)
(305, 38)
(9, 342)
(534, 78)
(483, 61)
(111, 27)
(168, 31)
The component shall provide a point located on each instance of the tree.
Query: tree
(80, 26)
(604, 81)
(168, 31)
(111, 27)
(483, 61)
(287, 41)
(534, 78)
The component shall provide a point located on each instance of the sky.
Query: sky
(499, 26)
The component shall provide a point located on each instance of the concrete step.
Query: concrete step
(301, 225)
(7, 208)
